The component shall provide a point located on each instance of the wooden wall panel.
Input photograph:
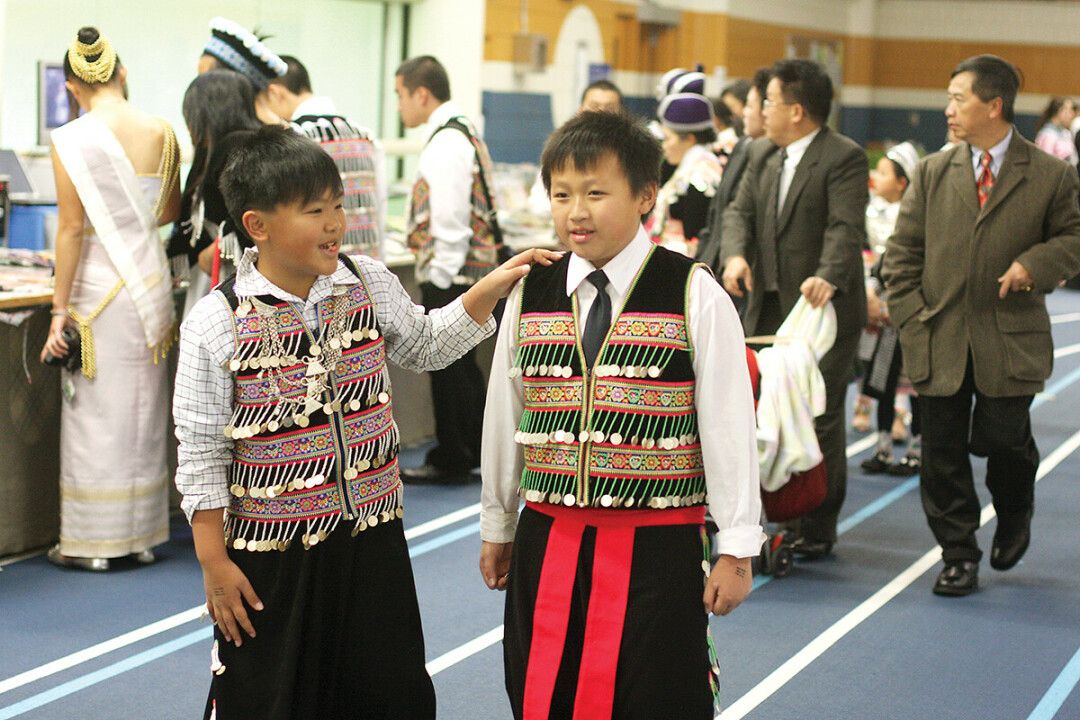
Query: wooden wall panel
(744, 45)
(927, 64)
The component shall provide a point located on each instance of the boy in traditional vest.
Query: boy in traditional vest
(619, 406)
(288, 450)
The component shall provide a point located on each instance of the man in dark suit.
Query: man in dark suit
(985, 230)
(797, 228)
(753, 122)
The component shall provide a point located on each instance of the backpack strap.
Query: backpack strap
(496, 232)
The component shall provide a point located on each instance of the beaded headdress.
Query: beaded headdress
(685, 112)
(240, 50)
(100, 69)
(679, 80)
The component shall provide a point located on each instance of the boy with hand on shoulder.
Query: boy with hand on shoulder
(288, 449)
(619, 405)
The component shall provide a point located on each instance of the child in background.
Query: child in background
(288, 449)
(891, 179)
(619, 405)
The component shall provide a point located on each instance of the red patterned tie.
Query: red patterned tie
(986, 179)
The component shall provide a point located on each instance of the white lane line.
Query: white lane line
(101, 648)
(859, 445)
(187, 616)
(1064, 318)
(1066, 351)
(465, 651)
(779, 677)
(471, 511)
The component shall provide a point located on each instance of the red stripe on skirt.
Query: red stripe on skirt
(612, 559)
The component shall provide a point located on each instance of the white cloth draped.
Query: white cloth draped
(793, 393)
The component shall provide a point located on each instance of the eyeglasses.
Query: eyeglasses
(767, 103)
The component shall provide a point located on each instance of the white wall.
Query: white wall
(340, 42)
(453, 31)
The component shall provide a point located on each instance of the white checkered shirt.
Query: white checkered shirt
(203, 399)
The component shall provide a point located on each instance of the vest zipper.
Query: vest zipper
(337, 428)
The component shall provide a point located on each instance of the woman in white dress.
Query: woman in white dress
(116, 182)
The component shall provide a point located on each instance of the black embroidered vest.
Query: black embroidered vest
(315, 439)
(626, 435)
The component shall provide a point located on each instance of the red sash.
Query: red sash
(612, 559)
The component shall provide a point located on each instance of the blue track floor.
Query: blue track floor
(858, 635)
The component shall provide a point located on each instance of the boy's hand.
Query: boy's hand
(495, 564)
(480, 299)
(729, 583)
(226, 590)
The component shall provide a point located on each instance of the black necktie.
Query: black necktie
(767, 242)
(599, 320)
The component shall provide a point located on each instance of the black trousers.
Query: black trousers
(997, 428)
(663, 663)
(837, 370)
(339, 635)
(457, 395)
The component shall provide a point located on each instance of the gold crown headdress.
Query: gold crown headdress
(97, 71)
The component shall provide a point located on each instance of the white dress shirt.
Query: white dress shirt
(794, 154)
(725, 404)
(997, 156)
(203, 398)
(446, 164)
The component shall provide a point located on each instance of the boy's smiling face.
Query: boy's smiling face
(299, 241)
(596, 213)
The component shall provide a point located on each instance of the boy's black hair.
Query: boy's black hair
(899, 171)
(806, 83)
(296, 79)
(606, 85)
(585, 138)
(276, 166)
(994, 77)
(425, 71)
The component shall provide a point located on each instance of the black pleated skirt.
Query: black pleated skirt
(339, 635)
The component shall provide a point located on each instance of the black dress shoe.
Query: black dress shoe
(879, 462)
(960, 577)
(811, 549)
(1011, 541)
(431, 475)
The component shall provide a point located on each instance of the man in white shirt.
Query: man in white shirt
(797, 229)
(450, 227)
(359, 156)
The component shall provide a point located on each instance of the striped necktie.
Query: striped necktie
(986, 179)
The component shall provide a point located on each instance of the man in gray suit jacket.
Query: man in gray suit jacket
(797, 228)
(987, 228)
(708, 250)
